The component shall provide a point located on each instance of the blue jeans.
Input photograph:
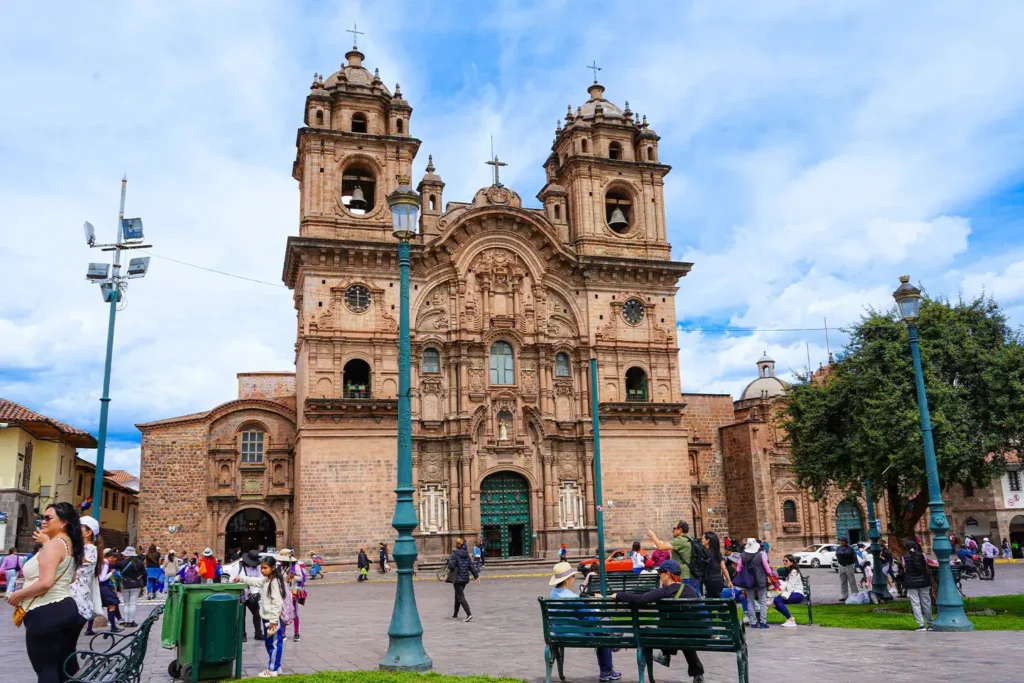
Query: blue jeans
(781, 602)
(637, 570)
(604, 659)
(274, 645)
(694, 584)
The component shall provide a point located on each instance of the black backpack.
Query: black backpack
(699, 559)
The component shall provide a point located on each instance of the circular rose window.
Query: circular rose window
(357, 298)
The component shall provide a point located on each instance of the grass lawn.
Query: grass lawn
(382, 677)
(999, 613)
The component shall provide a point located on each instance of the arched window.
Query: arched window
(357, 379)
(636, 384)
(789, 512)
(583, 146)
(614, 150)
(252, 445)
(432, 203)
(358, 177)
(400, 126)
(561, 365)
(502, 363)
(319, 118)
(618, 210)
(650, 154)
(558, 212)
(431, 361)
(359, 122)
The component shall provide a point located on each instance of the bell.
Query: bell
(618, 220)
(357, 201)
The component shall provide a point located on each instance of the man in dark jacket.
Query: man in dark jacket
(847, 560)
(461, 563)
(671, 587)
(363, 563)
(918, 583)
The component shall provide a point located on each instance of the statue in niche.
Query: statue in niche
(502, 430)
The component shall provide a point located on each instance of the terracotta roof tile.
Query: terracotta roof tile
(14, 413)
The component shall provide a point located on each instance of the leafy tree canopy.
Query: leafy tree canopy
(862, 421)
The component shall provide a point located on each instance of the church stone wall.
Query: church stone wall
(704, 415)
(173, 478)
(266, 384)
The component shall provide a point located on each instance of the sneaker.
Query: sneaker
(90, 632)
(114, 629)
(296, 638)
(763, 625)
(468, 619)
(662, 659)
(269, 674)
(610, 676)
(789, 623)
(920, 629)
(257, 636)
(699, 678)
(455, 616)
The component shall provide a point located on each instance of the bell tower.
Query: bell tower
(355, 142)
(604, 173)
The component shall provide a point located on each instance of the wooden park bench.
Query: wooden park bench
(621, 581)
(711, 625)
(114, 657)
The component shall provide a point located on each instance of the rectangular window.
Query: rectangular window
(968, 490)
(1014, 480)
(80, 481)
(502, 364)
(123, 499)
(106, 499)
(114, 507)
(252, 446)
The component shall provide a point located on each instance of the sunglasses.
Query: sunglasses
(48, 518)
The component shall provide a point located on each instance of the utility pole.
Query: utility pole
(112, 286)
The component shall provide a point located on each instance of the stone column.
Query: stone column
(549, 491)
(589, 505)
(467, 519)
(454, 509)
(287, 524)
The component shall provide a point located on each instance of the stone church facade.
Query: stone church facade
(508, 306)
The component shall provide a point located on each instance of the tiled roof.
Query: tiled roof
(42, 426)
(120, 476)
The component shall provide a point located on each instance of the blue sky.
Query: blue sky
(819, 151)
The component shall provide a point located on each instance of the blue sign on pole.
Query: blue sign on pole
(131, 229)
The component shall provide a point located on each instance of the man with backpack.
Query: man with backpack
(692, 556)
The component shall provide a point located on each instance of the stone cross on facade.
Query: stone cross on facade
(355, 35)
(497, 165)
(595, 68)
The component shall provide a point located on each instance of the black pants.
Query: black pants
(713, 586)
(257, 622)
(693, 665)
(51, 635)
(989, 564)
(460, 599)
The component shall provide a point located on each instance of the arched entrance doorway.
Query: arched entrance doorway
(248, 530)
(505, 514)
(849, 522)
(1017, 536)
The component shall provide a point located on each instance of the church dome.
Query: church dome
(590, 108)
(354, 73)
(767, 385)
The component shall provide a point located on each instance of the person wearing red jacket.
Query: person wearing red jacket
(208, 566)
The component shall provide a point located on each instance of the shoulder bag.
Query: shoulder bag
(19, 611)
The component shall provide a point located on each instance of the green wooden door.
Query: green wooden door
(849, 522)
(505, 514)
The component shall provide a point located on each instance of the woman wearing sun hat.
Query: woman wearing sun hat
(133, 577)
(563, 576)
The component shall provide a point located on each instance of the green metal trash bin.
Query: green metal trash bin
(204, 623)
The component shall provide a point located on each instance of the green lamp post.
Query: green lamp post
(951, 607)
(405, 635)
(879, 586)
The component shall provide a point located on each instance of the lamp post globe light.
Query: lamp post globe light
(951, 607)
(405, 635)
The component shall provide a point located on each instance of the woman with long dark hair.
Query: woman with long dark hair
(463, 567)
(637, 557)
(716, 576)
(154, 571)
(52, 622)
(792, 590)
(273, 595)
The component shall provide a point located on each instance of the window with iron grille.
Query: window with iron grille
(1014, 477)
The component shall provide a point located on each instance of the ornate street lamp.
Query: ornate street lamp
(405, 635)
(951, 607)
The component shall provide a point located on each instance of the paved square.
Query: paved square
(344, 626)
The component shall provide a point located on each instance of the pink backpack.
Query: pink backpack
(288, 610)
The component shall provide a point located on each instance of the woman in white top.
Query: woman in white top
(52, 622)
(82, 588)
(792, 590)
(637, 557)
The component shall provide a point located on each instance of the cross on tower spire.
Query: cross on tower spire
(355, 35)
(595, 68)
(495, 163)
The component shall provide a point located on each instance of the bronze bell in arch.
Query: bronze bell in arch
(617, 222)
(357, 201)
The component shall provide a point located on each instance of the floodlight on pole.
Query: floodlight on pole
(112, 286)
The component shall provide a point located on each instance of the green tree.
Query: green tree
(862, 421)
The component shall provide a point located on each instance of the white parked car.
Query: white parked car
(820, 555)
(863, 545)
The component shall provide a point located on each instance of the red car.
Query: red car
(618, 561)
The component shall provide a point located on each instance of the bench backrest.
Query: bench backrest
(586, 622)
(672, 624)
(624, 581)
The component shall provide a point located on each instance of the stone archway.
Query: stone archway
(850, 522)
(505, 514)
(248, 529)
(1017, 536)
